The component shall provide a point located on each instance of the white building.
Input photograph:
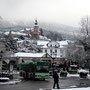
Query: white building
(54, 48)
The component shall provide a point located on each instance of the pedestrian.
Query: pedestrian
(56, 80)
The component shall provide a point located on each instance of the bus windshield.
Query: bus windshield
(42, 68)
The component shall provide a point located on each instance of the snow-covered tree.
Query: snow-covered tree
(85, 26)
(28, 46)
(75, 53)
(7, 47)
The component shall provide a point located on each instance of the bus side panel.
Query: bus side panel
(42, 75)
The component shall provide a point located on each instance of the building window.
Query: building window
(55, 55)
(60, 55)
(55, 46)
(51, 51)
(50, 45)
(55, 51)
(45, 51)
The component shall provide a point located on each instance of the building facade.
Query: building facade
(54, 50)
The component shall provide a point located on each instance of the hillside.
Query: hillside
(48, 28)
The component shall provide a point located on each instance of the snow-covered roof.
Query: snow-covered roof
(73, 66)
(20, 41)
(15, 38)
(83, 71)
(42, 43)
(63, 43)
(43, 37)
(21, 54)
(18, 33)
(27, 29)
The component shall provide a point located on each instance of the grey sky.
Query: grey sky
(67, 12)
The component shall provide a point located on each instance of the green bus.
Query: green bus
(35, 70)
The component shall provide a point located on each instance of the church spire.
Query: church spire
(36, 23)
(36, 30)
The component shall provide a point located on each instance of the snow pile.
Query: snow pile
(73, 75)
(10, 82)
(76, 75)
(4, 78)
(83, 71)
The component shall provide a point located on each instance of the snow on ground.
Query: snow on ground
(72, 75)
(77, 75)
(10, 82)
(83, 71)
(87, 88)
(4, 78)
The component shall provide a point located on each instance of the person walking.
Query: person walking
(56, 80)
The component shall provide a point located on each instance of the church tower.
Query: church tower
(36, 30)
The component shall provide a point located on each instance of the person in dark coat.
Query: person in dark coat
(56, 80)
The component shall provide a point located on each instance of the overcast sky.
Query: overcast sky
(68, 12)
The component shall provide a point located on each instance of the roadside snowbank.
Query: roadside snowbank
(10, 82)
(87, 88)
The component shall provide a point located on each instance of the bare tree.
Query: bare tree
(85, 26)
(85, 40)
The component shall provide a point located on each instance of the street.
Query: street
(69, 82)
